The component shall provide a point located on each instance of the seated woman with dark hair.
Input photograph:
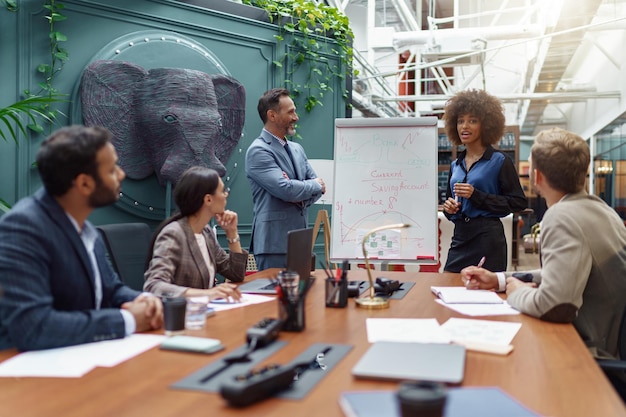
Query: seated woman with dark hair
(185, 254)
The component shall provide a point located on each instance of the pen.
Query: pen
(223, 301)
(456, 197)
(325, 270)
(220, 301)
(344, 270)
(480, 264)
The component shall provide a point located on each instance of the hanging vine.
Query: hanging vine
(58, 57)
(311, 21)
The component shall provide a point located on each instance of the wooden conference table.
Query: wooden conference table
(550, 370)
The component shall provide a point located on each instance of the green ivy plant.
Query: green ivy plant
(310, 21)
(58, 55)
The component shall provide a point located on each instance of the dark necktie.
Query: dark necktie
(293, 164)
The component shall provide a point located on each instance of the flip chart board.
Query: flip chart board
(385, 173)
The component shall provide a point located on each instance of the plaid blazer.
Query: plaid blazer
(177, 262)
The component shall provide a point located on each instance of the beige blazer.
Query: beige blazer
(583, 275)
(177, 263)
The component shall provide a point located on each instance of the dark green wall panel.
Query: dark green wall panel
(245, 45)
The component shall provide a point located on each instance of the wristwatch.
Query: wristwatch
(233, 240)
(523, 276)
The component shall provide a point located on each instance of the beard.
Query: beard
(103, 196)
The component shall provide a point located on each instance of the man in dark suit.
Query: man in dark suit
(59, 288)
(283, 183)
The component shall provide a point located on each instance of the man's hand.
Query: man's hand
(476, 278)
(147, 311)
(321, 182)
(513, 284)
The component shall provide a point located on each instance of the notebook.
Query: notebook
(299, 255)
(461, 295)
(412, 361)
(460, 402)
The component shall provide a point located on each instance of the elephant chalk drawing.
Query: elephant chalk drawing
(164, 120)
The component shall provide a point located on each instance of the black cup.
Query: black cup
(174, 314)
(336, 293)
(421, 398)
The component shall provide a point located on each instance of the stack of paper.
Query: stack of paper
(486, 336)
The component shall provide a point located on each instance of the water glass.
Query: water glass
(196, 312)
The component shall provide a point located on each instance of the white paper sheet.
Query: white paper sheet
(405, 330)
(45, 363)
(484, 336)
(481, 331)
(113, 352)
(76, 361)
(503, 309)
(246, 299)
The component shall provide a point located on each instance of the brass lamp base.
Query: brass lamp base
(372, 303)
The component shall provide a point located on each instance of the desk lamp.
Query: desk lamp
(372, 302)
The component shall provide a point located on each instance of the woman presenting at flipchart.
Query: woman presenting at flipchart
(483, 184)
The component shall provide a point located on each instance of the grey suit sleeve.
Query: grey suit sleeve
(263, 169)
(310, 173)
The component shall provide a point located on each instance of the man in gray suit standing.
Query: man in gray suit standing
(283, 183)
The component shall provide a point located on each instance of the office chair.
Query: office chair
(127, 244)
(615, 369)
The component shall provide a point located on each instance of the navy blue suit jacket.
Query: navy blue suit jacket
(48, 281)
(280, 204)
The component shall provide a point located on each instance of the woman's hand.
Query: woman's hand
(225, 290)
(463, 189)
(227, 221)
(451, 206)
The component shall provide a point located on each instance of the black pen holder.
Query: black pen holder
(336, 293)
(291, 313)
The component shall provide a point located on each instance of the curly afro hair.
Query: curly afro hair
(487, 108)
